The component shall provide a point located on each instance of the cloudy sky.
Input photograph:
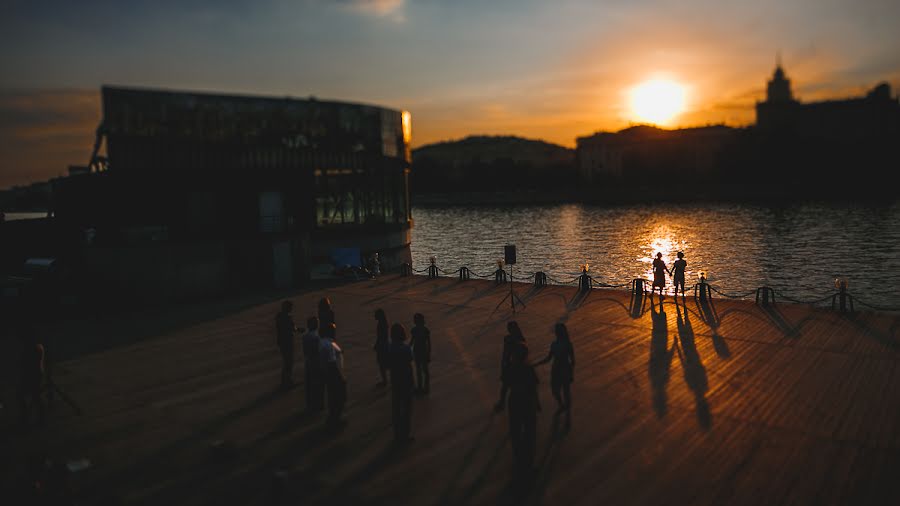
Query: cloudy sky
(537, 68)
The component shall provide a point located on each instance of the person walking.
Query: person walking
(315, 382)
(523, 409)
(678, 274)
(421, 345)
(332, 362)
(382, 345)
(401, 358)
(512, 339)
(285, 328)
(561, 372)
(659, 275)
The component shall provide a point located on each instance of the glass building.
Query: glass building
(269, 187)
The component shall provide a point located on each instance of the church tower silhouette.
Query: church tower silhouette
(779, 87)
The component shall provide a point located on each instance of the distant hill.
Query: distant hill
(490, 163)
(487, 148)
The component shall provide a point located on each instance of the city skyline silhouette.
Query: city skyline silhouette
(511, 68)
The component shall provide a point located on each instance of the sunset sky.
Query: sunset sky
(552, 70)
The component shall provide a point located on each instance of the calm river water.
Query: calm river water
(798, 250)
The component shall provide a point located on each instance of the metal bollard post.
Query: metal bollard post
(637, 287)
(432, 269)
(843, 296)
(405, 269)
(499, 276)
(540, 278)
(701, 289)
(765, 295)
(584, 280)
(463, 273)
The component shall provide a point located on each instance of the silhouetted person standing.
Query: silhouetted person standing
(659, 275)
(285, 328)
(325, 313)
(31, 377)
(315, 382)
(562, 371)
(512, 339)
(421, 345)
(401, 358)
(678, 274)
(523, 409)
(332, 362)
(382, 345)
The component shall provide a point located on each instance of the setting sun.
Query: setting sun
(657, 101)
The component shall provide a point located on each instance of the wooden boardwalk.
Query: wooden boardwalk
(727, 403)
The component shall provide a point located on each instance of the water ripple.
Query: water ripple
(799, 249)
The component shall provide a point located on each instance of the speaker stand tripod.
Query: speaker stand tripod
(512, 296)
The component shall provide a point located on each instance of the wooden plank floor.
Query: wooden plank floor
(728, 403)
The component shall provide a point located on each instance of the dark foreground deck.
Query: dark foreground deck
(728, 403)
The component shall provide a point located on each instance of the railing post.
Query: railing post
(844, 297)
(701, 289)
(764, 295)
(432, 269)
(637, 287)
(540, 278)
(463, 273)
(584, 281)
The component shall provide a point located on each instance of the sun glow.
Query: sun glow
(657, 101)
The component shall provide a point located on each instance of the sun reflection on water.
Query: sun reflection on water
(741, 247)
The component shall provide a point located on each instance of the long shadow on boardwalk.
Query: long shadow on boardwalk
(163, 458)
(467, 460)
(692, 365)
(547, 464)
(122, 326)
(886, 338)
(660, 358)
(404, 284)
(707, 313)
(492, 288)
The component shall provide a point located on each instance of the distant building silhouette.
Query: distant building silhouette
(640, 152)
(875, 114)
(795, 148)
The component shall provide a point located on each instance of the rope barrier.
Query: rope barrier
(605, 285)
(878, 308)
(480, 275)
(563, 282)
(465, 272)
(713, 288)
(810, 302)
